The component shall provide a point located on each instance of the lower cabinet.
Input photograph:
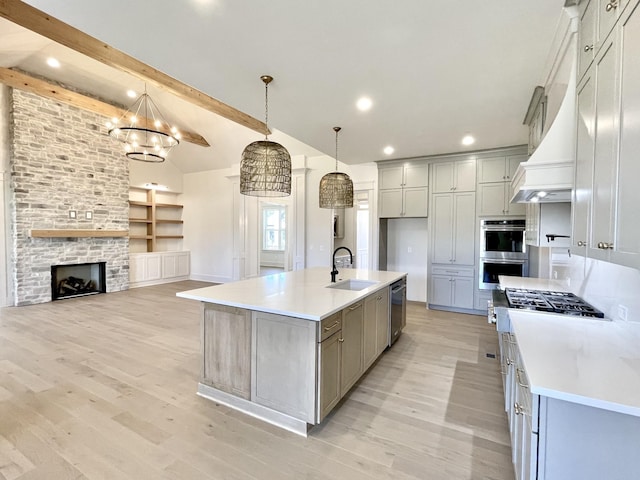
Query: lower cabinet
(452, 287)
(158, 267)
(553, 439)
(352, 358)
(376, 326)
(329, 360)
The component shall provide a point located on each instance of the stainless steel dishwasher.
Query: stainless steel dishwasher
(398, 308)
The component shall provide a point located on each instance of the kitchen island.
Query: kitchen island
(286, 348)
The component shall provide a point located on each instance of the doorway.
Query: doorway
(275, 235)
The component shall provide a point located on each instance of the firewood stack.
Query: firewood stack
(75, 286)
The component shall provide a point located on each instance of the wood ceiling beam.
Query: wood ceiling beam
(39, 22)
(43, 88)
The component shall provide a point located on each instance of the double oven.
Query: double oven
(503, 251)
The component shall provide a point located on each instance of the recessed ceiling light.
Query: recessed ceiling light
(364, 104)
(389, 150)
(53, 62)
(131, 94)
(468, 140)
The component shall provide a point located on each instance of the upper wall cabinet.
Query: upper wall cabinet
(597, 18)
(457, 176)
(494, 186)
(403, 190)
(607, 194)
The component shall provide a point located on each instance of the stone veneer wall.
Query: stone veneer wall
(61, 160)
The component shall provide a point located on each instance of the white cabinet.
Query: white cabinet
(155, 268)
(498, 169)
(494, 186)
(453, 232)
(627, 230)
(493, 200)
(403, 190)
(452, 287)
(597, 19)
(458, 176)
(585, 141)
(608, 133)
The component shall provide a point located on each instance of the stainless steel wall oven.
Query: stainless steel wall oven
(503, 251)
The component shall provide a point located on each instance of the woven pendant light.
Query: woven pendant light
(336, 188)
(265, 168)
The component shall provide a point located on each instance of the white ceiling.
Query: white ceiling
(434, 70)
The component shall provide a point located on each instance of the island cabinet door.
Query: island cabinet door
(226, 340)
(283, 356)
(352, 364)
(329, 355)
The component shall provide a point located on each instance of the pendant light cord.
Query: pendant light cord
(266, 110)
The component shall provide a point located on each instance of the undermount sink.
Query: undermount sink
(353, 285)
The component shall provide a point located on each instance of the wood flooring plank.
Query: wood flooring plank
(104, 387)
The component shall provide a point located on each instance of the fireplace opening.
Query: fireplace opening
(68, 281)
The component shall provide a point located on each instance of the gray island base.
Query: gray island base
(286, 348)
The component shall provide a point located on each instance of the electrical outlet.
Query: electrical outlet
(622, 312)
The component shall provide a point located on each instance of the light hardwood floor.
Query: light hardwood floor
(103, 387)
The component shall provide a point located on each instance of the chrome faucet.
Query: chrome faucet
(335, 272)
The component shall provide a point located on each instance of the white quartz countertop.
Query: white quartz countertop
(533, 283)
(585, 361)
(301, 293)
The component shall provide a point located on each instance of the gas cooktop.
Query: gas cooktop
(553, 302)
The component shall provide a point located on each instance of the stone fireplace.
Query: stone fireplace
(66, 173)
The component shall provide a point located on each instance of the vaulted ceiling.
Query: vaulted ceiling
(434, 71)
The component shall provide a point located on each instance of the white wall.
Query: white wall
(208, 224)
(407, 252)
(165, 173)
(319, 220)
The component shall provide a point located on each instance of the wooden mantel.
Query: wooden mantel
(76, 233)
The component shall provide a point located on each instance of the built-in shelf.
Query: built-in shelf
(146, 212)
(76, 233)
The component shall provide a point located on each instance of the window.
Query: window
(274, 227)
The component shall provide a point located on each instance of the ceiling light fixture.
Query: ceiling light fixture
(131, 94)
(388, 150)
(53, 62)
(336, 188)
(364, 104)
(143, 130)
(265, 168)
(468, 140)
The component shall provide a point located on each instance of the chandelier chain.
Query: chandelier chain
(337, 150)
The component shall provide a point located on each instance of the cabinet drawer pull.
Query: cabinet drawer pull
(582, 244)
(523, 385)
(517, 409)
(334, 324)
(379, 298)
(353, 307)
(341, 340)
(605, 245)
(612, 5)
(588, 48)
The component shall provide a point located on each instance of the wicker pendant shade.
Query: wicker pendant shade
(336, 188)
(265, 168)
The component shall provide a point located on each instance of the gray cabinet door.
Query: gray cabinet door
(584, 165)
(328, 374)
(443, 222)
(627, 248)
(465, 222)
(606, 145)
(352, 348)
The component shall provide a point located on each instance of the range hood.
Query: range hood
(548, 174)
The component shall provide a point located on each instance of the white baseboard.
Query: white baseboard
(209, 278)
(159, 281)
